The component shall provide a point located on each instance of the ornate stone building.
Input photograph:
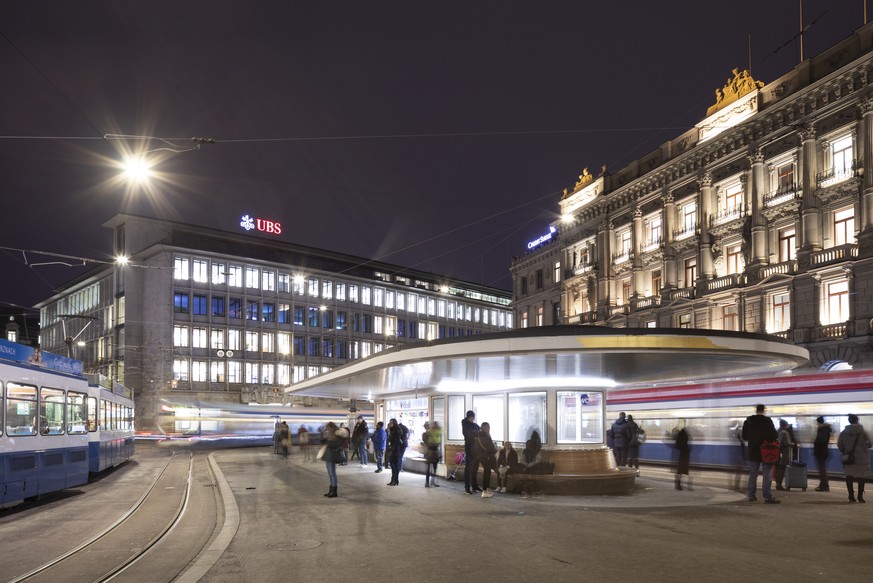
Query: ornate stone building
(759, 219)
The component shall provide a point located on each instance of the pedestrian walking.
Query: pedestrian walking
(394, 449)
(854, 445)
(620, 439)
(332, 438)
(379, 438)
(284, 439)
(633, 446)
(360, 434)
(683, 462)
(433, 440)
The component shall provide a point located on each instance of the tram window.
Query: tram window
(20, 409)
(104, 414)
(51, 411)
(580, 417)
(77, 413)
(92, 414)
(527, 412)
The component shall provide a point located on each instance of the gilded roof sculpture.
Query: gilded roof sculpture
(741, 84)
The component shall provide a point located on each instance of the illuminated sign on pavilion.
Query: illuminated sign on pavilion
(263, 225)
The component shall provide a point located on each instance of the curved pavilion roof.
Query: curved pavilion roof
(556, 357)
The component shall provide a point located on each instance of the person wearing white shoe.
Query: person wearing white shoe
(507, 460)
(485, 451)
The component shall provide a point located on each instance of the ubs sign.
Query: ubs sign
(263, 225)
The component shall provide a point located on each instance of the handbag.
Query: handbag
(848, 458)
(320, 454)
(341, 457)
(769, 452)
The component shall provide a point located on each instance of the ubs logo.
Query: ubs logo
(263, 225)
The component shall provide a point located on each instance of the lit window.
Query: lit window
(180, 336)
(379, 297)
(268, 342)
(844, 226)
(217, 338)
(837, 302)
(313, 287)
(580, 417)
(657, 283)
(201, 271)
(842, 156)
(219, 273)
(252, 276)
(366, 295)
(653, 232)
(781, 316)
(539, 312)
(284, 283)
(730, 318)
(216, 371)
(181, 266)
(326, 289)
(353, 293)
(785, 177)
(787, 249)
(685, 320)
(341, 291)
(251, 341)
(180, 369)
(690, 271)
(689, 217)
(234, 276)
(234, 338)
(733, 198)
(268, 280)
(626, 291)
(234, 371)
(624, 242)
(198, 337)
(491, 407)
(198, 371)
(734, 259)
(557, 271)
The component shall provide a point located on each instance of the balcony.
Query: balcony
(839, 174)
(675, 294)
(583, 268)
(845, 252)
(652, 245)
(621, 309)
(782, 195)
(784, 268)
(726, 282)
(645, 303)
(621, 257)
(587, 317)
(685, 232)
(833, 331)
(727, 215)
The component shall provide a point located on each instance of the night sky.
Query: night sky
(434, 135)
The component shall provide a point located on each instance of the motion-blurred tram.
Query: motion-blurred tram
(713, 413)
(57, 425)
(241, 424)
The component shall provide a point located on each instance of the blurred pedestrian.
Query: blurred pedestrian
(284, 439)
(379, 438)
(683, 463)
(757, 429)
(470, 429)
(433, 440)
(394, 450)
(359, 440)
(345, 443)
(620, 439)
(633, 445)
(786, 447)
(821, 450)
(854, 444)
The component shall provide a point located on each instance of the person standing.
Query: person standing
(507, 462)
(284, 438)
(470, 430)
(633, 445)
(359, 438)
(757, 429)
(786, 446)
(821, 450)
(332, 438)
(620, 439)
(394, 450)
(485, 451)
(683, 463)
(346, 441)
(854, 444)
(433, 440)
(379, 439)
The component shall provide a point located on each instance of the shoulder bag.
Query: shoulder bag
(848, 458)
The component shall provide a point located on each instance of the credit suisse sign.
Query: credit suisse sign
(263, 225)
(543, 239)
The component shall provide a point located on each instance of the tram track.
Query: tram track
(150, 520)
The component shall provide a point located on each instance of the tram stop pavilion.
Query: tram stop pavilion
(552, 379)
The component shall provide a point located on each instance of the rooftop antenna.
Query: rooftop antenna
(750, 52)
(800, 32)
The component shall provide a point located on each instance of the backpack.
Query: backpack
(769, 452)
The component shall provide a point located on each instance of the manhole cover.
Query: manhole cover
(294, 545)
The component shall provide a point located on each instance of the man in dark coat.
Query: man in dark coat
(471, 430)
(757, 429)
(820, 449)
(359, 439)
(620, 439)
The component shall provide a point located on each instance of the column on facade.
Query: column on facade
(638, 273)
(606, 277)
(668, 220)
(706, 206)
(865, 238)
(759, 254)
(810, 216)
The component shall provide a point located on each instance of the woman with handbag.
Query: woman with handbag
(394, 448)
(332, 438)
(854, 445)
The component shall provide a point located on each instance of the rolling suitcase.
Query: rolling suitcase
(795, 475)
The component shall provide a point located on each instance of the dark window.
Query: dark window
(539, 279)
(268, 312)
(441, 331)
(313, 317)
(284, 313)
(340, 320)
(356, 322)
(299, 315)
(401, 328)
(327, 319)
(556, 313)
(180, 303)
(234, 310)
(251, 310)
(299, 345)
(366, 323)
(413, 329)
(342, 348)
(199, 306)
(524, 285)
(217, 306)
(327, 348)
(313, 346)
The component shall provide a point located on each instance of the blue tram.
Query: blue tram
(713, 413)
(57, 428)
